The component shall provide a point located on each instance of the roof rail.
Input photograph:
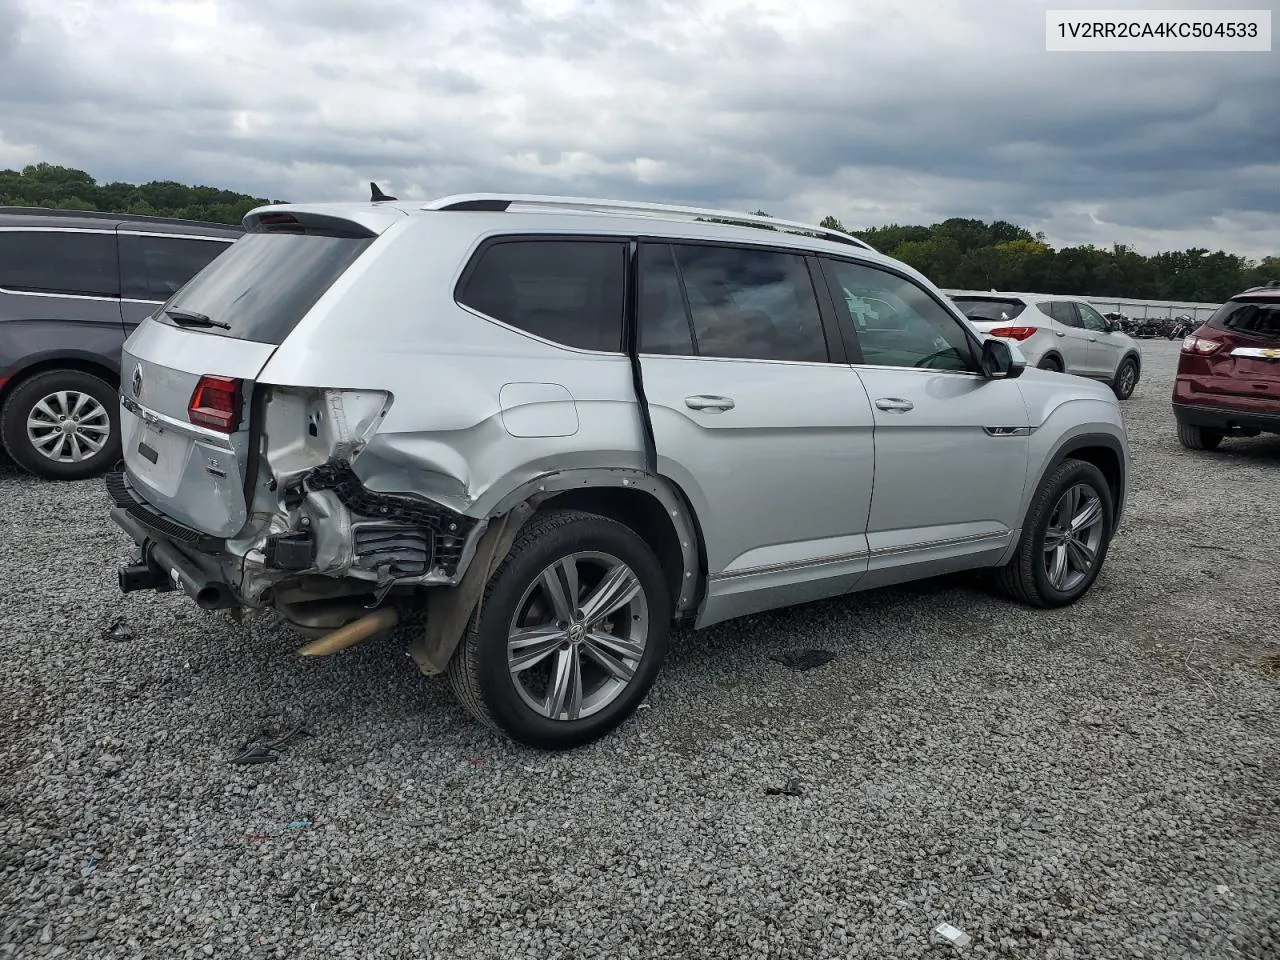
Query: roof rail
(496, 202)
(108, 215)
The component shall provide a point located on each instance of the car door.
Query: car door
(153, 266)
(768, 435)
(1071, 337)
(1104, 350)
(951, 447)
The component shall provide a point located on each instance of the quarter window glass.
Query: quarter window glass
(664, 324)
(59, 261)
(897, 323)
(751, 304)
(154, 268)
(567, 291)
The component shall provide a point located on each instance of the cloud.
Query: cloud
(880, 111)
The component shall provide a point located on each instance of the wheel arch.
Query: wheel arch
(87, 363)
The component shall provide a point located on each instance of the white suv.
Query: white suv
(1058, 333)
(542, 430)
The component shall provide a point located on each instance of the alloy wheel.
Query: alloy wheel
(578, 635)
(1073, 540)
(68, 426)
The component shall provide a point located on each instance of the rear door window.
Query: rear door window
(155, 267)
(264, 284)
(570, 292)
(67, 262)
(751, 304)
(1063, 312)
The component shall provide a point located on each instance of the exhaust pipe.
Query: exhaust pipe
(209, 594)
(352, 633)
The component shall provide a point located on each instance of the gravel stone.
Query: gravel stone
(1092, 782)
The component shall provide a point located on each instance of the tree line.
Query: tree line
(957, 253)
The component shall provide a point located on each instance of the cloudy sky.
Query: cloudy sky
(875, 111)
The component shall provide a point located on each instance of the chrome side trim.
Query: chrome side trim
(163, 422)
(786, 567)
(1007, 431)
(936, 544)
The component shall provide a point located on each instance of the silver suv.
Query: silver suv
(539, 431)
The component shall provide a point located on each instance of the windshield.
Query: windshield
(262, 285)
(989, 308)
(1250, 318)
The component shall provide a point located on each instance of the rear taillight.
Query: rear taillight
(1014, 333)
(1199, 345)
(215, 403)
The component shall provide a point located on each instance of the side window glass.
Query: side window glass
(154, 268)
(566, 291)
(59, 261)
(664, 324)
(751, 304)
(897, 323)
(1061, 311)
(1091, 318)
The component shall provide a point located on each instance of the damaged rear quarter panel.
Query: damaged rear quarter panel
(399, 329)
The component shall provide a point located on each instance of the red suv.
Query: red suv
(1228, 381)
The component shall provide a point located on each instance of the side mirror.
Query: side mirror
(999, 361)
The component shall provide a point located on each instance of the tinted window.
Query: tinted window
(1063, 312)
(1250, 318)
(898, 324)
(1091, 318)
(153, 268)
(988, 309)
(664, 324)
(751, 304)
(56, 261)
(567, 291)
(264, 283)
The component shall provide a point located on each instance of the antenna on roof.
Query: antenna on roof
(377, 195)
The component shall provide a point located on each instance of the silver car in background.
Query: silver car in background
(537, 432)
(1058, 333)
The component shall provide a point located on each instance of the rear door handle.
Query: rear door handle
(1059, 333)
(1093, 339)
(894, 405)
(704, 402)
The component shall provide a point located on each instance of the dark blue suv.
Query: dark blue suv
(73, 285)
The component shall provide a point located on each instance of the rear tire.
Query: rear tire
(1199, 438)
(32, 418)
(1050, 363)
(1126, 379)
(1064, 540)
(551, 677)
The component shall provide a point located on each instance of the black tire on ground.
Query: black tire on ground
(1025, 578)
(1126, 378)
(1199, 438)
(22, 401)
(1050, 363)
(479, 673)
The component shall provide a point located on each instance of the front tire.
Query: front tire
(1126, 379)
(569, 635)
(1199, 438)
(62, 425)
(1064, 539)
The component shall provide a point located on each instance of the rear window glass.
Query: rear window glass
(59, 261)
(1250, 318)
(154, 268)
(567, 291)
(264, 283)
(984, 308)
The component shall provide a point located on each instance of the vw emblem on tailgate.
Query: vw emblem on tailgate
(137, 380)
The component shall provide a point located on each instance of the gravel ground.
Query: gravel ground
(1098, 782)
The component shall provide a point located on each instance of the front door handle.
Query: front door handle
(704, 402)
(894, 405)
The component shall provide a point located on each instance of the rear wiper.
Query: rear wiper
(187, 318)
